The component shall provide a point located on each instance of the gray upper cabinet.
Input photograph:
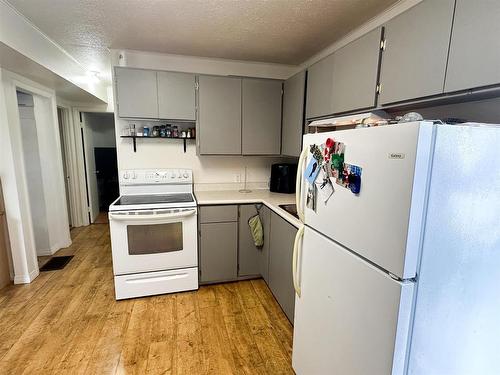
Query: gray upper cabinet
(414, 60)
(280, 264)
(136, 93)
(320, 88)
(176, 96)
(261, 116)
(219, 115)
(248, 254)
(293, 114)
(474, 59)
(355, 70)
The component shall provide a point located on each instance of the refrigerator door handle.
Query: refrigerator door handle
(295, 257)
(298, 184)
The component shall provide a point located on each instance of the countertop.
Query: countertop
(264, 196)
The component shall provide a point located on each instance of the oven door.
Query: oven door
(153, 240)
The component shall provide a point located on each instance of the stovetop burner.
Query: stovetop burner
(151, 199)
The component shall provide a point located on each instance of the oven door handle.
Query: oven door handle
(150, 217)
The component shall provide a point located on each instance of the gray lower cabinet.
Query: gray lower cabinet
(474, 58)
(218, 251)
(293, 114)
(280, 264)
(136, 93)
(219, 115)
(320, 88)
(265, 217)
(218, 243)
(261, 116)
(248, 254)
(176, 96)
(355, 73)
(416, 51)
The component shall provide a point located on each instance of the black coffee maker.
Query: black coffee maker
(283, 178)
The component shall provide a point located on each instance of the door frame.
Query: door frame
(79, 130)
(19, 219)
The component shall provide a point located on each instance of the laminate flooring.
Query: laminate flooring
(68, 321)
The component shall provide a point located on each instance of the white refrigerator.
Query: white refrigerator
(403, 277)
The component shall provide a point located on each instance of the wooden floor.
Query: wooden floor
(68, 321)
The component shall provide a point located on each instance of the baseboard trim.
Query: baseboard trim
(53, 249)
(26, 279)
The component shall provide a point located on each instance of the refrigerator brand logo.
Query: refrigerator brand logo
(395, 155)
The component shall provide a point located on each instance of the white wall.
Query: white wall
(210, 172)
(31, 155)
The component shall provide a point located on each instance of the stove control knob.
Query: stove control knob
(134, 175)
(126, 175)
(185, 175)
(172, 175)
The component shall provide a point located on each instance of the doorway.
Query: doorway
(99, 146)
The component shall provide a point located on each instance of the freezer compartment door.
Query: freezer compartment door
(382, 223)
(351, 318)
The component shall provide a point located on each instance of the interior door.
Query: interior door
(382, 222)
(90, 170)
(351, 318)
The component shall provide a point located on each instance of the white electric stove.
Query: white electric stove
(153, 227)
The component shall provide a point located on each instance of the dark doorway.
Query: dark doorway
(106, 168)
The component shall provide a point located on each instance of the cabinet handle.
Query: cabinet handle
(295, 257)
(298, 184)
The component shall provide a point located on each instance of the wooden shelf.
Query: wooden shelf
(134, 139)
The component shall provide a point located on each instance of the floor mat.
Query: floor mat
(56, 263)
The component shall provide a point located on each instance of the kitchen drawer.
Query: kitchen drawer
(218, 214)
(152, 283)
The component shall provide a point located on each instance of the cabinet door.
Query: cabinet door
(176, 96)
(261, 116)
(355, 70)
(219, 115)
(249, 255)
(265, 217)
(474, 59)
(414, 60)
(136, 93)
(320, 88)
(218, 252)
(293, 115)
(280, 263)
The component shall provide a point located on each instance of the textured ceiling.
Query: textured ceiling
(278, 31)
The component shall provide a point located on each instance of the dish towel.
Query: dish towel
(256, 229)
